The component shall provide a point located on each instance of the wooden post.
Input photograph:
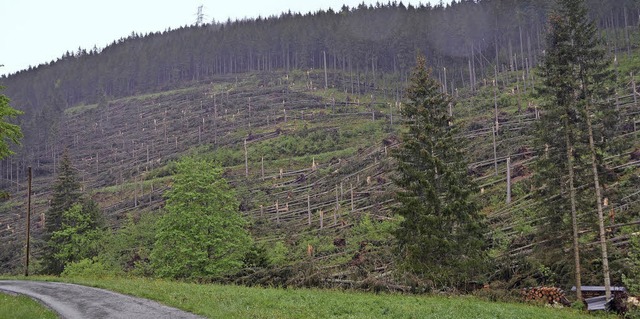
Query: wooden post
(261, 211)
(135, 191)
(26, 263)
(215, 120)
(635, 94)
(277, 214)
(246, 161)
(445, 86)
(321, 219)
(391, 114)
(495, 97)
(508, 180)
(309, 208)
(351, 186)
(495, 153)
(335, 211)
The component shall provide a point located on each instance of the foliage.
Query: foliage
(575, 81)
(88, 267)
(8, 132)
(369, 229)
(80, 234)
(441, 237)
(19, 307)
(630, 277)
(129, 248)
(277, 254)
(9, 252)
(202, 234)
(66, 193)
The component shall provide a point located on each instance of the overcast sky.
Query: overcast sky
(37, 31)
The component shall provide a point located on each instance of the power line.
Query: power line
(199, 15)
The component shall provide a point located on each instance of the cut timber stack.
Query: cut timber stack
(550, 295)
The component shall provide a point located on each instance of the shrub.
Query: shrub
(88, 267)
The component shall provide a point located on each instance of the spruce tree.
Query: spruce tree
(441, 237)
(66, 193)
(574, 77)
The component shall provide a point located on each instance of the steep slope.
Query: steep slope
(312, 165)
(316, 177)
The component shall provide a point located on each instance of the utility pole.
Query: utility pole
(199, 15)
(26, 263)
(508, 180)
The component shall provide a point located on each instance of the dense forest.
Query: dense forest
(305, 113)
(468, 38)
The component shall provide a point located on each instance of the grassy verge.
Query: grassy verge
(225, 301)
(19, 307)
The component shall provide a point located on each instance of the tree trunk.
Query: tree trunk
(596, 181)
(574, 219)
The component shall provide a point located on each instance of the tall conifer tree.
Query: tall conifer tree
(575, 76)
(66, 193)
(441, 237)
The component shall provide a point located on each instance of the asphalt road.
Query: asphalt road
(80, 302)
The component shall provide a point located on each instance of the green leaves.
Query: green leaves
(8, 132)
(70, 222)
(78, 238)
(202, 234)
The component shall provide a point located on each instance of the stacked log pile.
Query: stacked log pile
(550, 295)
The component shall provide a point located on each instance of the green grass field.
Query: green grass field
(20, 307)
(225, 301)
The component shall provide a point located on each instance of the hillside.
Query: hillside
(311, 164)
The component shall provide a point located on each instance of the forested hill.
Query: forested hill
(465, 36)
(304, 113)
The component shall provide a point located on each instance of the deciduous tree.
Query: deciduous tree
(8, 132)
(202, 234)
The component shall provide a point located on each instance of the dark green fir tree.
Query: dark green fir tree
(69, 217)
(576, 123)
(441, 237)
